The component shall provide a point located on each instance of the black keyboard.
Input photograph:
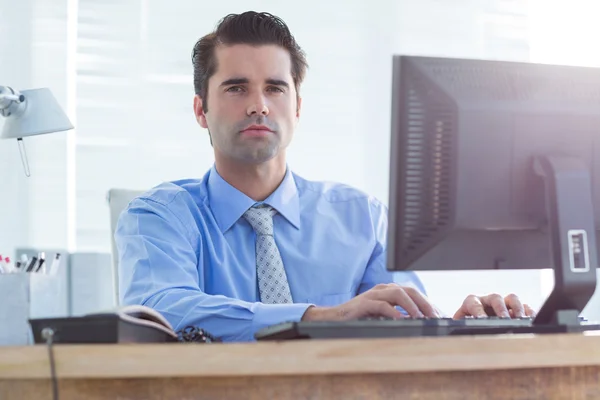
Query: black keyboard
(385, 328)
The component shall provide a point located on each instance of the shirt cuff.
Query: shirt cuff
(272, 314)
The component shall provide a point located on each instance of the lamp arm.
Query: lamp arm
(10, 100)
(12, 97)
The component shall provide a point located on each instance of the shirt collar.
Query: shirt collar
(229, 204)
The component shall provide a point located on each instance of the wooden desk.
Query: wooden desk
(565, 366)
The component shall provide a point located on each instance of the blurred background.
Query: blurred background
(122, 70)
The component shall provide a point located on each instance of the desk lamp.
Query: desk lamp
(28, 113)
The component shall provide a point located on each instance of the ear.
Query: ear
(199, 112)
(298, 107)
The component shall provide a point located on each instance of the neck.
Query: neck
(256, 181)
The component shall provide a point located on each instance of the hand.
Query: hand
(380, 301)
(494, 305)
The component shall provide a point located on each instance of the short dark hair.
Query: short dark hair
(247, 28)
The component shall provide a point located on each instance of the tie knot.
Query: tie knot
(261, 219)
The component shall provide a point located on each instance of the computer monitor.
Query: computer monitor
(496, 165)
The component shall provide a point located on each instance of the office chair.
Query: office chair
(118, 199)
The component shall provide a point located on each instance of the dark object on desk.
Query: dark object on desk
(494, 165)
(130, 324)
(97, 329)
(410, 327)
(196, 335)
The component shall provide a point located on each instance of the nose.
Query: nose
(258, 106)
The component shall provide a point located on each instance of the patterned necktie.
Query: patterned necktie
(272, 281)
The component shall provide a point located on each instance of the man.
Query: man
(251, 244)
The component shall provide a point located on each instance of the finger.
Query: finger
(496, 302)
(530, 312)
(378, 308)
(381, 286)
(514, 304)
(471, 306)
(395, 295)
(400, 297)
(422, 302)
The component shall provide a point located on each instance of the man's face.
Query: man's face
(252, 105)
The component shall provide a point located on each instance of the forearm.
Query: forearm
(324, 314)
(224, 317)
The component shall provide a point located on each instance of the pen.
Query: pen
(7, 267)
(42, 258)
(31, 264)
(55, 264)
(40, 266)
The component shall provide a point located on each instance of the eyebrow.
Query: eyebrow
(240, 81)
(234, 81)
(278, 82)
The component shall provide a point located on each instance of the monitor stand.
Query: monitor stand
(570, 211)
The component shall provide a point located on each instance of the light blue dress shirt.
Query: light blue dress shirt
(185, 251)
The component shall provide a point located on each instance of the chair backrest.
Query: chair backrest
(118, 199)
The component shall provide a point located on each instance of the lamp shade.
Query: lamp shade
(39, 113)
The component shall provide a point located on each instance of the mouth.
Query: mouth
(256, 131)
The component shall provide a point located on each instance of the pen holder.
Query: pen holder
(29, 295)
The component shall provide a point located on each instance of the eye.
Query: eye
(275, 89)
(235, 89)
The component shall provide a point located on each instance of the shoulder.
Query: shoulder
(334, 192)
(170, 205)
(170, 200)
(175, 191)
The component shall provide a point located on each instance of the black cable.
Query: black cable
(48, 335)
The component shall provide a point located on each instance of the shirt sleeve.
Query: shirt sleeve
(376, 271)
(160, 266)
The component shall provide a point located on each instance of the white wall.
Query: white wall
(33, 211)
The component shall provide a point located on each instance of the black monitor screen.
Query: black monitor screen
(465, 134)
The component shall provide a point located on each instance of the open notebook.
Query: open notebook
(143, 316)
